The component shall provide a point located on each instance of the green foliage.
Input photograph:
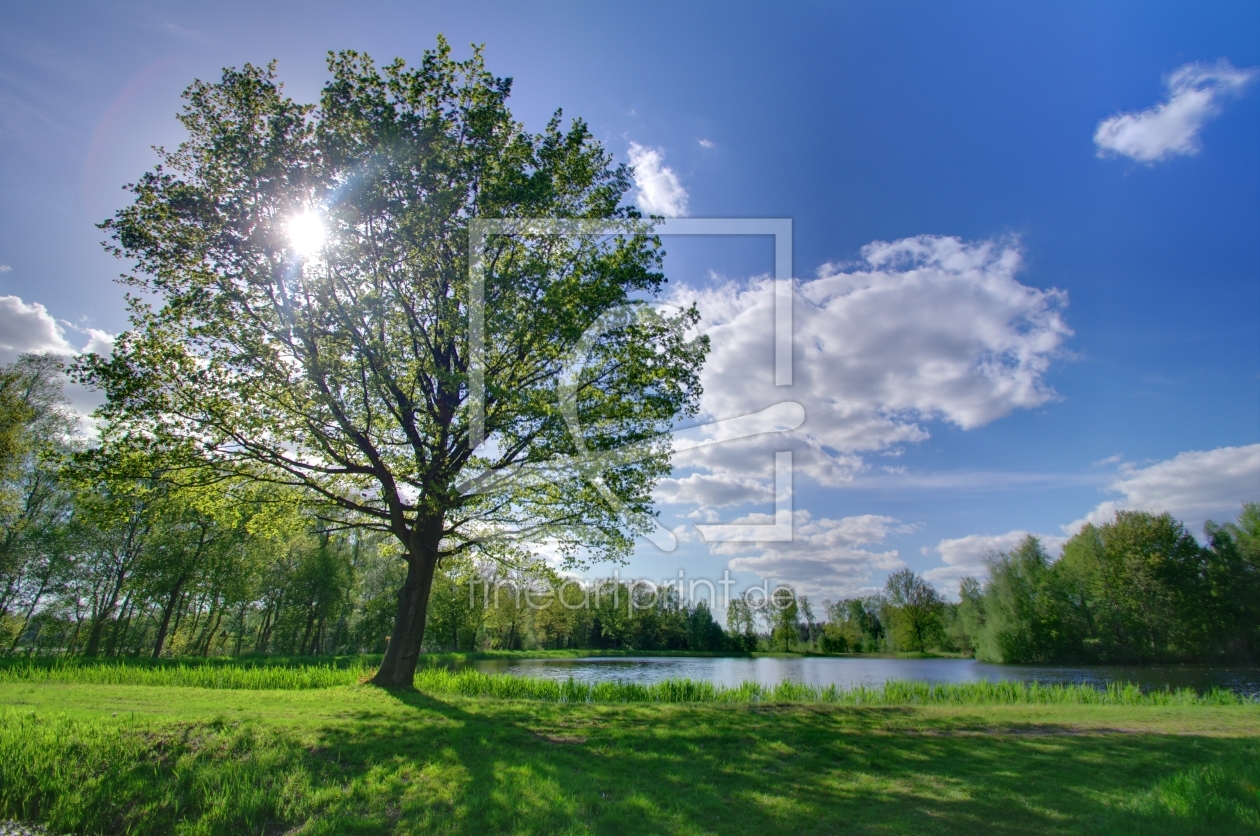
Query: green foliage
(1016, 624)
(854, 626)
(785, 614)
(703, 633)
(37, 435)
(916, 610)
(1137, 589)
(741, 623)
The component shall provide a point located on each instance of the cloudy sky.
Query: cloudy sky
(1026, 239)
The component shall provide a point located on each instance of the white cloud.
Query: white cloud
(712, 490)
(928, 328)
(825, 557)
(99, 342)
(657, 190)
(965, 556)
(4, 268)
(1195, 93)
(705, 143)
(29, 328)
(1193, 486)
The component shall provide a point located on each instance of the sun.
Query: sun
(306, 234)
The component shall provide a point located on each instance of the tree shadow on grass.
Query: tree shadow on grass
(478, 766)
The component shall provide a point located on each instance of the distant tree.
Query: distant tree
(703, 633)
(854, 626)
(969, 616)
(785, 614)
(1233, 581)
(741, 622)
(916, 607)
(340, 364)
(806, 624)
(1011, 621)
(1140, 584)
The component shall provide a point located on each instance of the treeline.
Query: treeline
(109, 551)
(104, 553)
(1138, 589)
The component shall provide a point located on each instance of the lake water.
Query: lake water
(848, 672)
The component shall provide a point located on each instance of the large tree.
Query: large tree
(303, 316)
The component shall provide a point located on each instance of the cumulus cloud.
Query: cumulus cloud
(927, 328)
(1193, 486)
(657, 190)
(826, 557)
(99, 342)
(712, 490)
(4, 268)
(705, 143)
(1195, 94)
(30, 328)
(965, 556)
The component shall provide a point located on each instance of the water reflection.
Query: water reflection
(849, 672)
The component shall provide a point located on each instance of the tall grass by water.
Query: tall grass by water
(473, 684)
(282, 674)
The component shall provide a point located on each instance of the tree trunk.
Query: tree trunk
(122, 625)
(240, 631)
(207, 632)
(306, 634)
(106, 612)
(398, 668)
(214, 631)
(166, 616)
(26, 622)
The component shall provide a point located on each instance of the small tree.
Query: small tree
(916, 608)
(304, 317)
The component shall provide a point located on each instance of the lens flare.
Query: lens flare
(306, 234)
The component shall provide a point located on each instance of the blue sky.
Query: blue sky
(1090, 340)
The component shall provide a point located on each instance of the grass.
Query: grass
(466, 753)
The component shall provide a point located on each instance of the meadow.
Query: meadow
(286, 746)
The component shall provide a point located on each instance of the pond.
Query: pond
(848, 672)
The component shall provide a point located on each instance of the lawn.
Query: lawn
(127, 758)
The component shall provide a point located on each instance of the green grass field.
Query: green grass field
(103, 756)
